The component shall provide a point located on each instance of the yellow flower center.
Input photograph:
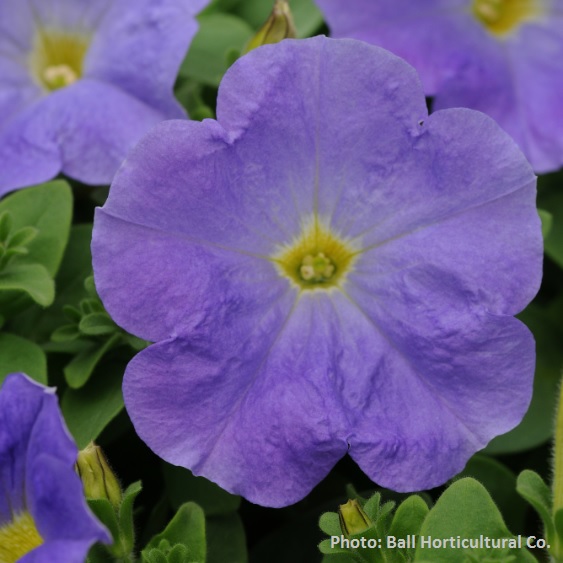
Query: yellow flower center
(316, 259)
(18, 538)
(500, 17)
(57, 58)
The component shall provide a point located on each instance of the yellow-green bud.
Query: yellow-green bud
(353, 519)
(97, 477)
(277, 27)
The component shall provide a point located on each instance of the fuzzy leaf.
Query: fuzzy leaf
(32, 279)
(20, 355)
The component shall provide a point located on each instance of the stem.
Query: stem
(558, 457)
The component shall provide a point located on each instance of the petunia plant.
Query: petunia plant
(321, 297)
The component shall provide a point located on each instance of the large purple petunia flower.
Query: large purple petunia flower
(43, 513)
(82, 81)
(326, 270)
(502, 57)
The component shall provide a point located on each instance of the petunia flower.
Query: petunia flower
(325, 270)
(502, 57)
(43, 513)
(81, 82)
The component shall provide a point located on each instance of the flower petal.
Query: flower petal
(259, 416)
(153, 38)
(425, 34)
(454, 378)
(455, 207)
(84, 131)
(180, 281)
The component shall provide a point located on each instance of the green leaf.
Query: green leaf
(65, 333)
(20, 355)
(96, 324)
(126, 521)
(532, 488)
(500, 482)
(207, 59)
(546, 222)
(6, 224)
(182, 486)
(550, 200)
(23, 236)
(466, 509)
(409, 517)
(75, 267)
(81, 367)
(226, 540)
(48, 208)
(187, 528)
(105, 513)
(329, 523)
(89, 410)
(32, 279)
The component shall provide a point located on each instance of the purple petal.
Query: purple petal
(84, 131)
(140, 32)
(474, 215)
(259, 410)
(446, 367)
(179, 280)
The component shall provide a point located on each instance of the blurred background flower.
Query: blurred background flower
(81, 82)
(502, 57)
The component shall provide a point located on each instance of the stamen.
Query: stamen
(57, 58)
(317, 259)
(59, 76)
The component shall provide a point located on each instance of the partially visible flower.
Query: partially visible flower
(81, 82)
(502, 57)
(43, 513)
(326, 270)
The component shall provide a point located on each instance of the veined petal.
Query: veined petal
(84, 131)
(447, 369)
(266, 422)
(139, 32)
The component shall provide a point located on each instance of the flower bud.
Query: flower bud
(277, 27)
(353, 519)
(98, 479)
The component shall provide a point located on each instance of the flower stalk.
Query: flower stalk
(556, 548)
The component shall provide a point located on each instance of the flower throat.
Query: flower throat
(501, 17)
(316, 259)
(57, 58)
(18, 538)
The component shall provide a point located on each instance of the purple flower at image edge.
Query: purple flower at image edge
(502, 57)
(81, 82)
(325, 270)
(43, 513)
